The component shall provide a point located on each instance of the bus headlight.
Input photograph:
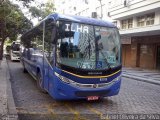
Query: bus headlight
(64, 79)
(117, 79)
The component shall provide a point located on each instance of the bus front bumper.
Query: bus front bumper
(63, 91)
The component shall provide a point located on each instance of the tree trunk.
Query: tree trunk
(2, 36)
(1, 49)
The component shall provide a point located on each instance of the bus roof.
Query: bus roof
(81, 19)
(73, 18)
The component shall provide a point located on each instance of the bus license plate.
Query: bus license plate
(89, 98)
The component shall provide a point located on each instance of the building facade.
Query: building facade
(139, 24)
(87, 8)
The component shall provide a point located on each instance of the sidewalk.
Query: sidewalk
(150, 76)
(7, 106)
(3, 90)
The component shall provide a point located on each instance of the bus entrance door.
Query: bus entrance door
(46, 76)
(48, 55)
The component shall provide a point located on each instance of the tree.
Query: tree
(39, 10)
(26, 3)
(42, 10)
(12, 22)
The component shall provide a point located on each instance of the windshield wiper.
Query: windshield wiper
(109, 66)
(99, 49)
(87, 52)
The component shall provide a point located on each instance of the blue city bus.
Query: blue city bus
(73, 57)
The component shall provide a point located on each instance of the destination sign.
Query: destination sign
(76, 28)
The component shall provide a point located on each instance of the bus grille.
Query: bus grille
(91, 93)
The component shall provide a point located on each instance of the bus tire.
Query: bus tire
(39, 82)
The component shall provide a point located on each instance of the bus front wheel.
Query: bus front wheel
(39, 83)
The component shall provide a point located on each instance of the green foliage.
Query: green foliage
(35, 12)
(26, 3)
(8, 42)
(42, 10)
(49, 8)
(12, 22)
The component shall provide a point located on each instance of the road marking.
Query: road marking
(51, 111)
(96, 112)
(37, 106)
(24, 111)
(76, 113)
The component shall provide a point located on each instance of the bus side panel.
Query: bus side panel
(46, 75)
(28, 65)
(52, 89)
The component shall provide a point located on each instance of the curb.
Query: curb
(142, 79)
(12, 112)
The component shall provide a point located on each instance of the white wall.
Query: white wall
(157, 17)
(144, 30)
(135, 7)
(81, 6)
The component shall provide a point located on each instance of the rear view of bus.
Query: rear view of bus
(81, 58)
(15, 51)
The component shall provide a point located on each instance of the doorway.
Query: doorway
(126, 55)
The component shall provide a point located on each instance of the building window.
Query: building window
(141, 21)
(124, 24)
(63, 2)
(145, 20)
(86, 1)
(128, 23)
(150, 19)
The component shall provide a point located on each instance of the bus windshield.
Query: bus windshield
(87, 46)
(15, 47)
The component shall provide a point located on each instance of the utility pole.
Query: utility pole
(101, 8)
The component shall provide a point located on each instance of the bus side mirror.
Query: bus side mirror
(54, 40)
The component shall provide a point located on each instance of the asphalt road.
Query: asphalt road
(135, 97)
